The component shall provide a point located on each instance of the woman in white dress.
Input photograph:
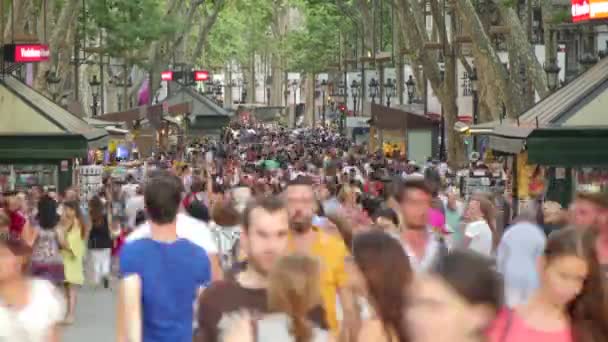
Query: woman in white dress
(30, 309)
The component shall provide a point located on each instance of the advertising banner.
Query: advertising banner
(589, 10)
(26, 53)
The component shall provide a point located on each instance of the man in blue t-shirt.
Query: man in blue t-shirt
(162, 275)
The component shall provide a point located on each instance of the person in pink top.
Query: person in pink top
(571, 304)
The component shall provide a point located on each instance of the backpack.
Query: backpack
(197, 209)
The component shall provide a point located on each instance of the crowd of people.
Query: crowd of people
(301, 236)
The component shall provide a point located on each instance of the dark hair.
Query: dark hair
(386, 213)
(47, 213)
(301, 180)
(198, 210)
(75, 205)
(197, 185)
(588, 312)
(96, 210)
(270, 204)
(412, 184)
(472, 276)
(162, 197)
(387, 273)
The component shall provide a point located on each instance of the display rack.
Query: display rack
(90, 182)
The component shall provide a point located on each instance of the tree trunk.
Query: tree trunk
(368, 28)
(205, 27)
(517, 40)
(227, 89)
(58, 37)
(309, 100)
(485, 54)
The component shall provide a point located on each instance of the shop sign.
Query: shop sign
(166, 76)
(64, 166)
(26, 53)
(589, 10)
(201, 75)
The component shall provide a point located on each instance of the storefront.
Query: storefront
(205, 117)
(408, 128)
(40, 142)
(561, 141)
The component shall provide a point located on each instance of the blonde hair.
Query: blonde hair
(294, 289)
(345, 192)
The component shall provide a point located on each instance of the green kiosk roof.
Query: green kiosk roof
(34, 127)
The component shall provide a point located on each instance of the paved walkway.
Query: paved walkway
(95, 317)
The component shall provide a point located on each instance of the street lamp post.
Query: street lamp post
(389, 87)
(552, 70)
(474, 88)
(354, 89)
(294, 87)
(323, 90)
(373, 89)
(411, 89)
(94, 83)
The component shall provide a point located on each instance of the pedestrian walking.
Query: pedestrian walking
(265, 236)
(73, 254)
(30, 309)
(161, 274)
(571, 304)
(47, 261)
(100, 241)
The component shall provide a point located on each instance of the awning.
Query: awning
(30, 114)
(509, 139)
(569, 147)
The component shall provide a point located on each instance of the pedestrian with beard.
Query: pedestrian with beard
(264, 238)
(328, 249)
(423, 246)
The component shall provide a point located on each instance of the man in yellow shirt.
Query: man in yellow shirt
(330, 250)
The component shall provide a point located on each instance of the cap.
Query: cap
(15, 244)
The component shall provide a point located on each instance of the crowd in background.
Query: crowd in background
(279, 235)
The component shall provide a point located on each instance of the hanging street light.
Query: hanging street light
(323, 91)
(354, 90)
(474, 88)
(552, 70)
(389, 88)
(95, 84)
(411, 89)
(373, 89)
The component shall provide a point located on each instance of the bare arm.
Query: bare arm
(128, 315)
(216, 270)
(54, 334)
(350, 321)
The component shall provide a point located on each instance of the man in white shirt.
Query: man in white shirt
(193, 230)
(134, 205)
(422, 245)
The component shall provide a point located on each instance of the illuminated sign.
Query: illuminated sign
(166, 76)
(589, 10)
(26, 53)
(201, 76)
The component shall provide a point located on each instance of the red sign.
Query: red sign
(166, 76)
(26, 53)
(201, 75)
(589, 10)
